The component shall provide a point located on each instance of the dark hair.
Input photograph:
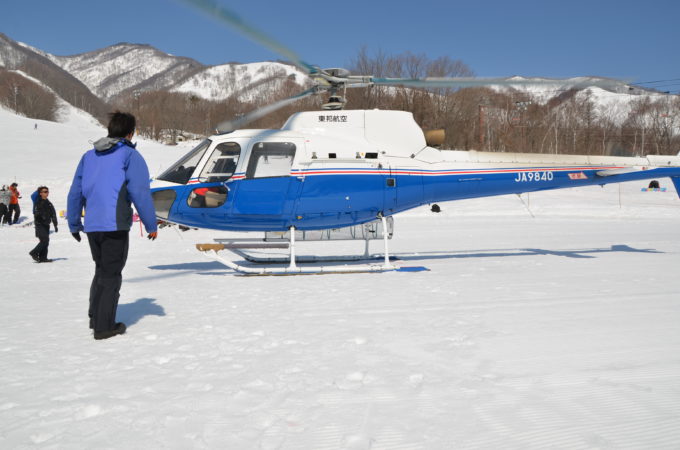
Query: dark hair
(13, 185)
(40, 188)
(121, 124)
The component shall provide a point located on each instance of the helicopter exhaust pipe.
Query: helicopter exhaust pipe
(435, 138)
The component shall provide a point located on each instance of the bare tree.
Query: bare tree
(26, 97)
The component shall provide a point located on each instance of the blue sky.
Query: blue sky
(623, 39)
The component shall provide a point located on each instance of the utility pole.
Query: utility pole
(522, 107)
(16, 94)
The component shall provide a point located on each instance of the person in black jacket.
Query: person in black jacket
(43, 212)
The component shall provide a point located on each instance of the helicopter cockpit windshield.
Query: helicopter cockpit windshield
(181, 171)
(222, 162)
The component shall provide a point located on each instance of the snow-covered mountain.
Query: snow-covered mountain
(17, 56)
(613, 99)
(123, 68)
(93, 79)
(223, 81)
(119, 68)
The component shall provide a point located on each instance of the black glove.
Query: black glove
(76, 236)
(56, 230)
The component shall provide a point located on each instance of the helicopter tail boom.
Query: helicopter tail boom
(676, 183)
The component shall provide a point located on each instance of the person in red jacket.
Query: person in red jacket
(14, 204)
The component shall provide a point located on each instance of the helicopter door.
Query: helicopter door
(206, 201)
(268, 191)
(390, 196)
(402, 192)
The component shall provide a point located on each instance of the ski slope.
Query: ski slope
(546, 321)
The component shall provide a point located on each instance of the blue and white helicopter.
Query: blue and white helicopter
(346, 173)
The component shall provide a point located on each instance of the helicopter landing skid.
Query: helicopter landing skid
(297, 270)
(210, 250)
(305, 258)
(240, 248)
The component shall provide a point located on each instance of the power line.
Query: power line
(657, 81)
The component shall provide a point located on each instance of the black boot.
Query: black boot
(118, 328)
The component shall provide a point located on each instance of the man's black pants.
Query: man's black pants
(42, 232)
(109, 251)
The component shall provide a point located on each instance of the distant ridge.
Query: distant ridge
(17, 56)
(95, 79)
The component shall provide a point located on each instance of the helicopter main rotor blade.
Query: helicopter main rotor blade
(229, 17)
(463, 82)
(231, 125)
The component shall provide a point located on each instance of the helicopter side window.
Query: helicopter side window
(271, 159)
(207, 197)
(222, 162)
(181, 171)
(162, 201)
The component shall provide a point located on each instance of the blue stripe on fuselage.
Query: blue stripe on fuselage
(330, 198)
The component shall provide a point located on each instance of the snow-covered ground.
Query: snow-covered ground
(549, 321)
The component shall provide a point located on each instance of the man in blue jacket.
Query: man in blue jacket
(108, 179)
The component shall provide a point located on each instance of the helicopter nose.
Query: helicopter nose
(162, 201)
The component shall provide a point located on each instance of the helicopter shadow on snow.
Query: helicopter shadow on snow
(131, 313)
(181, 269)
(495, 253)
(216, 268)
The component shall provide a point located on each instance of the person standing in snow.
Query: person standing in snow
(4, 205)
(14, 204)
(108, 179)
(44, 214)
